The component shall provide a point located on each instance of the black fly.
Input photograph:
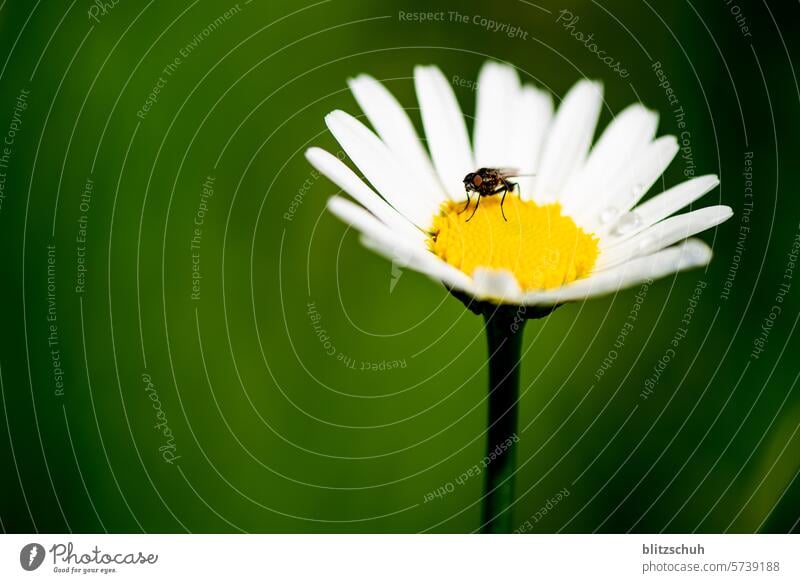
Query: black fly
(489, 182)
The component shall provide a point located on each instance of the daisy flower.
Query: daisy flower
(572, 225)
(575, 230)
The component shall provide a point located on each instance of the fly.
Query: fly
(490, 182)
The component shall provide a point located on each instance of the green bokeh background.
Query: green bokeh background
(276, 435)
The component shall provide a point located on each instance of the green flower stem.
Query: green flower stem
(504, 327)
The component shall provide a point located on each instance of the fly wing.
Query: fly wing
(511, 172)
(507, 172)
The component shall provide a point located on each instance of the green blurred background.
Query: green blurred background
(308, 386)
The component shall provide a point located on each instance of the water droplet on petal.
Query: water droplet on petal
(638, 190)
(627, 223)
(608, 215)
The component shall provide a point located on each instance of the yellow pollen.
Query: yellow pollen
(541, 247)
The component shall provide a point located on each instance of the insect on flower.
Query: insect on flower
(584, 207)
(490, 182)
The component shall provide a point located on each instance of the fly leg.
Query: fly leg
(467, 205)
(505, 188)
(502, 200)
(477, 204)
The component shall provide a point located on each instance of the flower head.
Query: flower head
(565, 224)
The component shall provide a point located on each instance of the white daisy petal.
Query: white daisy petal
(498, 285)
(640, 175)
(380, 167)
(356, 216)
(394, 127)
(624, 137)
(421, 261)
(380, 239)
(658, 208)
(569, 139)
(531, 118)
(498, 92)
(662, 234)
(338, 172)
(445, 130)
(690, 254)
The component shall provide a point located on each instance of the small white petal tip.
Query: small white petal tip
(496, 284)
(695, 253)
(315, 155)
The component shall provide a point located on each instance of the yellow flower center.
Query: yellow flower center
(541, 247)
